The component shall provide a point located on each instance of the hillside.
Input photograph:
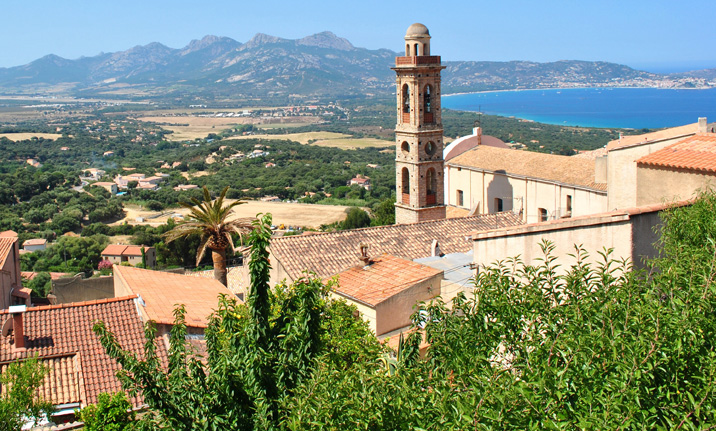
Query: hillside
(318, 66)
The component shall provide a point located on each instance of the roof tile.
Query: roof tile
(697, 153)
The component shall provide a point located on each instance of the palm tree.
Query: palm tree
(210, 219)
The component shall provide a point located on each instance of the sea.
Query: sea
(629, 108)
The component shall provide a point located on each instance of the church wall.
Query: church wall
(656, 186)
(519, 194)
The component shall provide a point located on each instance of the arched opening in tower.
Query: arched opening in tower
(427, 104)
(405, 186)
(406, 103)
(431, 187)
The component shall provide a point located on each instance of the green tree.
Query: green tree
(210, 219)
(258, 354)
(19, 401)
(356, 218)
(113, 412)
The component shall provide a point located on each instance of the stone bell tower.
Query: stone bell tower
(419, 131)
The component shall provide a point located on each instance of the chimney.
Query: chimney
(364, 254)
(18, 331)
(477, 131)
(703, 125)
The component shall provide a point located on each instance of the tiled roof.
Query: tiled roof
(671, 133)
(124, 250)
(697, 153)
(6, 247)
(29, 275)
(8, 234)
(563, 169)
(327, 254)
(162, 291)
(61, 336)
(383, 278)
(35, 241)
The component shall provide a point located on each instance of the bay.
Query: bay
(633, 108)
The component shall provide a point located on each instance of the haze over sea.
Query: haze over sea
(633, 108)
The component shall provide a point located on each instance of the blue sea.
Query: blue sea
(634, 108)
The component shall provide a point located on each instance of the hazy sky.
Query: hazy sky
(656, 35)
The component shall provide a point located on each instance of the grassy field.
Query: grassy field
(22, 136)
(290, 214)
(325, 139)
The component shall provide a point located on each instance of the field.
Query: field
(290, 214)
(190, 127)
(23, 136)
(325, 139)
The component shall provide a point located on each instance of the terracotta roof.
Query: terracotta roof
(697, 153)
(103, 184)
(124, 250)
(327, 254)
(61, 336)
(563, 169)
(6, 246)
(29, 275)
(385, 277)
(8, 234)
(660, 135)
(163, 291)
(35, 241)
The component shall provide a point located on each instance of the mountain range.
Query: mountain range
(319, 66)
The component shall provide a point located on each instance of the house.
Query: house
(153, 180)
(11, 290)
(161, 292)
(386, 288)
(34, 163)
(678, 171)
(132, 254)
(147, 186)
(94, 174)
(61, 337)
(108, 153)
(110, 187)
(181, 187)
(622, 154)
(270, 199)
(34, 244)
(360, 180)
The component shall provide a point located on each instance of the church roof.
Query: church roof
(660, 135)
(327, 254)
(550, 167)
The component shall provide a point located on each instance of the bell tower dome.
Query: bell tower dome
(418, 132)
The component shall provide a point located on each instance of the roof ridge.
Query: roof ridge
(78, 304)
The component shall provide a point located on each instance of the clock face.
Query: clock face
(430, 148)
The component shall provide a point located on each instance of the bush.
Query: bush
(111, 413)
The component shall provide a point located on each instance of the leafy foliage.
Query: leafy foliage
(257, 354)
(113, 412)
(19, 401)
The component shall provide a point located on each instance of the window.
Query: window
(406, 99)
(498, 205)
(405, 147)
(405, 186)
(417, 53)
(460, 198)
(431, 186)
(430, 148)
(542, 214)
(569, 205)
(427, 99)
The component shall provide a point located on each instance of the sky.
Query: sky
(655, 35)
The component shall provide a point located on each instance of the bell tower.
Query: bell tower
(418, 132)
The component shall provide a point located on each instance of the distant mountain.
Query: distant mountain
(709, 74)
(321, 65)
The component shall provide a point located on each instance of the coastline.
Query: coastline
(592, 107)
(575, 88)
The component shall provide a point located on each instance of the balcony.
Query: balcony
(428, 117)
(406, 118)
(431, 198)
(417, 61)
